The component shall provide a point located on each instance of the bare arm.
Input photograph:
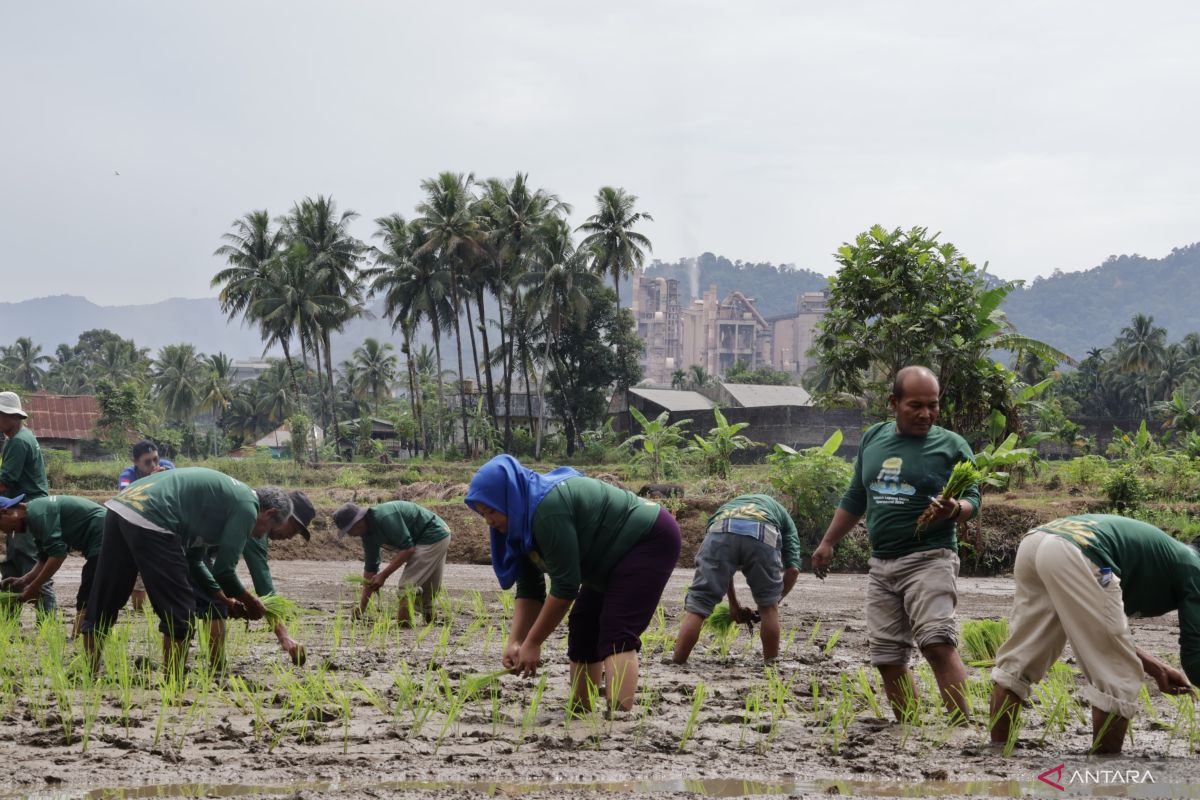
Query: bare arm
(843, 522)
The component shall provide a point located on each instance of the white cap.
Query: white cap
(11, 404)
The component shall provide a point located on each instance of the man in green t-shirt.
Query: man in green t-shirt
(163, 526)
(901, 468)
(755, 535)
(22, 472)
(420, 538)
(55, 525)
(1079, 578)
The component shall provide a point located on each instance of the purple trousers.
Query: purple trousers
(612, 621)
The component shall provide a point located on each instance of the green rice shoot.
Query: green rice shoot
(962, 477)
(472, 685)
(981, 638)
(355, 580)
(9, 598)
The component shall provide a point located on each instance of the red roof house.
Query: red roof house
(62, 422)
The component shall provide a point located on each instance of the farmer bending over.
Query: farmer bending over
(146, 461)
(420, 538)
(255, 556)
(55, 525)
(1078, 578)
(161, 526)
(911, 587)
(752, 534)
(605, 549)
(22, 473)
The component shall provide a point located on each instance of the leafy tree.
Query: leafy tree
(124, 414)
(1141, 351)
(179, 378)
(592, 358)
(763, 376)
(900, 298)
(376, 366)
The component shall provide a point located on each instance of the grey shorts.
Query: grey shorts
(424, 568)
(721, 555)
(910, 603)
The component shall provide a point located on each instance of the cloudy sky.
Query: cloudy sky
(1035, 136)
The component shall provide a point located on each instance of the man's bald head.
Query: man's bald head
(914, 377)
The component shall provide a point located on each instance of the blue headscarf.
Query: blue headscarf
(515, 491)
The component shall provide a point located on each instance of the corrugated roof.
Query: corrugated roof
(750, 395)
(674, 400)
(62, 416)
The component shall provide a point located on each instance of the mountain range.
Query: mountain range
(1075, 311)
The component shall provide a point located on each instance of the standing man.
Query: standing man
(1078, 578)
(901, 468)
(420, 538)
(22, 472)
(755, 535)
(255, 556)
(145, 462)
(56, 525)
(162, 526)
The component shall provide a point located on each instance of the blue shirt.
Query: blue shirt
(129, 474)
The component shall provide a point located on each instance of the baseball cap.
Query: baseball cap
(347, 516)
(302, 512)
(8, 502)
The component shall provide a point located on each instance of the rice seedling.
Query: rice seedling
(647, 703)
(473, 685)
(720, 620)
(842, 713)
(812, 635)
(832, 641)
(535, 700)
(868, 693)
(1184, 722)
(689, 727)
(751, 709)
(1053, 701)
(508, 604)
(981, 638)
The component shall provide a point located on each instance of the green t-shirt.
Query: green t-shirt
(23, 471)
(207, 509)
(255, 556)
(581, 529)
(895, 478)
(61, 523)
(763, 508)
(1158, 573)
(399, 525)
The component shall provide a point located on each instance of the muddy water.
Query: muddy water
(491, 749)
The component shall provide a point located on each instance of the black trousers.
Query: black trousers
(127, 550)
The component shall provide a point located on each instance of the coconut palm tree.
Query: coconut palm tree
(616, 248)
(449, 219)
(68, 373)
(1141, 350)
(248, 249)
(333, 263)
(23, 362)
(375, 365)
(178, 375)
(216, 389)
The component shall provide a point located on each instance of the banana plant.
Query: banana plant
(657, 447)
(716, 450)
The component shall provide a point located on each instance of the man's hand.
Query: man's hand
(254, 607)
(529, 657)
(944, 509)
(1169, 679)
(12, 584)
(236, 610)
(512, 654)
(821, 558)
(376, 583)
(29, 591)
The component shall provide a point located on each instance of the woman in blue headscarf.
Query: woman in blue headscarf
(605, 549)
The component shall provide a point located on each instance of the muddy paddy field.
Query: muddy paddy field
(385, 711)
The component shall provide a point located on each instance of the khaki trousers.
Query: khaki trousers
(1059, 598)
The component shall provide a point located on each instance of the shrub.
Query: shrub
(1124, 488)
(812, 483)
(57, 463)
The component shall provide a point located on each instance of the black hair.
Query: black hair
(141, 448)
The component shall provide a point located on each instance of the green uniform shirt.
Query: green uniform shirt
(895, 478)
(763, 508)
(61, 523)
(23, 471)
(400, 525)
(255, 556)
(207, 509)
(1158, 573)
(581, 529)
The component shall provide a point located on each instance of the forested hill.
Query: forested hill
(774, 286)
(1076, 311)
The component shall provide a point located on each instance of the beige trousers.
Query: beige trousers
(1059, 598)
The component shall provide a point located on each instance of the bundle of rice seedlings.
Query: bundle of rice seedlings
(9, 598)
(720, 621)
(962, 477)
(279, 608)
(355, 580)
(981, 638)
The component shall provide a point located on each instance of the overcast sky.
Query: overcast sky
(1035, 136)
